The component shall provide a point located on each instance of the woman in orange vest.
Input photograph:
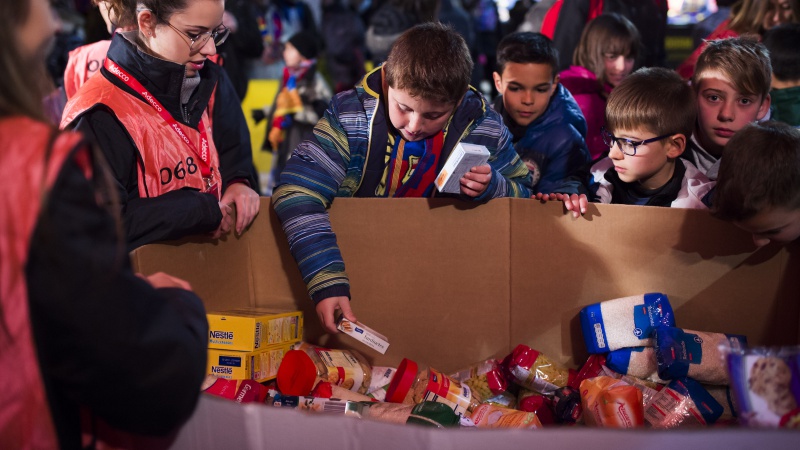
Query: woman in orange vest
(80, 334)
(86, 60)
(180, 169)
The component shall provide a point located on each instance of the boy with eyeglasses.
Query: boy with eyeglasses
(650, 116)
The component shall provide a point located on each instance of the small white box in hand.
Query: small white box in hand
(363, 334)
(463, 158)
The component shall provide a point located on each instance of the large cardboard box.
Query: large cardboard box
(451, 283)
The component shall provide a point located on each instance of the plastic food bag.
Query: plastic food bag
(535, 371)
(485, 378)
(611, 403)
(683, 402)
(624, 322)
(639, 362)
(694, 354)
(766, 385)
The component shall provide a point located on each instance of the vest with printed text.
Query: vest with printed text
(166, 162)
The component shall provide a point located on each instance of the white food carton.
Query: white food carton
(363, 334)
(463, 158)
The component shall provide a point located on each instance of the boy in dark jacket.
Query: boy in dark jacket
(546, 123)
(390, 137)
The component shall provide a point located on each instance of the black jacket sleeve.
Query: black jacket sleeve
(106, 339)
(231, 136)
(571, 20)
(170, 216)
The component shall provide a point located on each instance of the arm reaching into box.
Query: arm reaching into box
(326, 311)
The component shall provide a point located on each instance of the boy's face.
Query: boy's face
(774, 224)
(526, 90)
(414, 117)
(649, 165)
(722, 110)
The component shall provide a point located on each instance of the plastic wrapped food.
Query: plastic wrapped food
(304, 368)
(683, 403)
(624, 322)
(766, 385)
(639, 362)
(240, 391)
(567, 405)
(612, 403)
(485, 378)
(414, 384)
(695, 354)
(535, 371)
(539, 404)
(593, 367)
(491, 416)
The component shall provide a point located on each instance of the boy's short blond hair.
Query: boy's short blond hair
(760, 170)
(743, 60)
(430, 61)
(654, 98)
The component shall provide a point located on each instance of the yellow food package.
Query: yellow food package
(249, 329)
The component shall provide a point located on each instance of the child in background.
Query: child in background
(545, 122)
(646, 134)
(784, 53)
(390, 137)
(747, 17)
(299, 103)
(759, 182)
(731, 82)
(606, 54)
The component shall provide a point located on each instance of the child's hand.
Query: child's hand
(575, 203)
(326, 309)
(474, 182)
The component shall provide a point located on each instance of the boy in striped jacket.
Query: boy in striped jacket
(390, 137)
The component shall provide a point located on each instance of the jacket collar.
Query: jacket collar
(163, 79)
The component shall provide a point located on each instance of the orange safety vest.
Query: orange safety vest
(84, 62)
(29, 167)
(166, 162)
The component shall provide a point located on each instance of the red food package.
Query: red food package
(593, 367)
(240, 391)
(535, 371)
(530, 401)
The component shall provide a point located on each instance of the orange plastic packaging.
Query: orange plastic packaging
(612, 403)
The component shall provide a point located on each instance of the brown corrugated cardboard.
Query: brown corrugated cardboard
(450, 283)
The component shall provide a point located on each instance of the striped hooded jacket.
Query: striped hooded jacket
(345, 158)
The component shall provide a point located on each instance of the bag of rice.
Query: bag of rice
(766, 386)
(724, 396)
(639, 362)
(684, 353)
(624, 322)
(682, 402)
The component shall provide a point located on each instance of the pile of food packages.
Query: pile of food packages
(643, 371)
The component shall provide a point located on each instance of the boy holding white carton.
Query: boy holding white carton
(389, 137)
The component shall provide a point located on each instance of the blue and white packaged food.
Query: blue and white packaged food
(682, 402)
(696, 354)
(624, 322)
(766, 386)
(639, 362)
